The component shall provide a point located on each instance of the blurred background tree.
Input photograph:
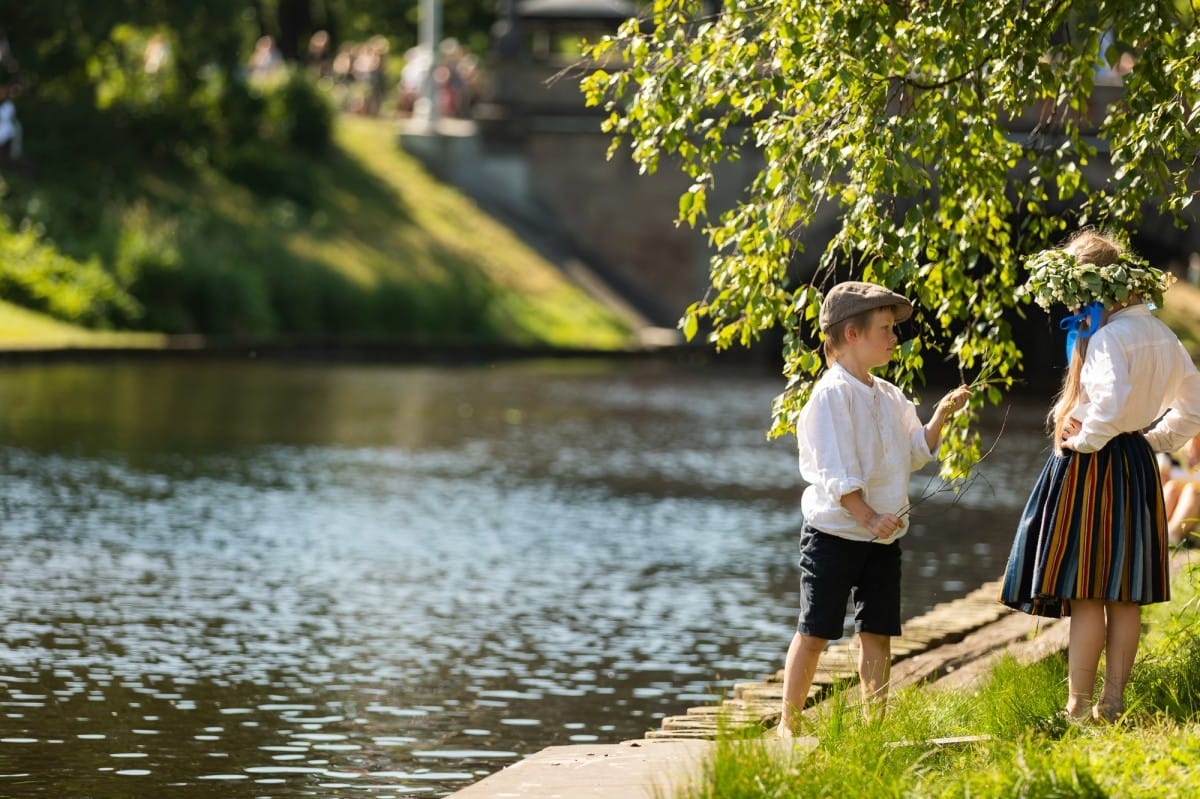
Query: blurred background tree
(163, 79)
(171, 181)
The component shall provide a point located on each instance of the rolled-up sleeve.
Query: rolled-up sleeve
(827, 430)
(1181, 422)
(919, 452)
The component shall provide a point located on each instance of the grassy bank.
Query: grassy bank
(1019, 747)
(22, 328)
(1181, 310)
(363, 244)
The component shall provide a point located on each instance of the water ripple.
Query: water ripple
(345, 580)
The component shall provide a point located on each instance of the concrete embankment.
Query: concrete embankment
(951, 646)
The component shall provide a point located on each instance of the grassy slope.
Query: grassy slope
(445, 233)
(378, 220)
(21, 328)
(378, 217)
(1181, 310)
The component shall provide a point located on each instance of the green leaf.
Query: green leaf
(894, 119)
(690, 325)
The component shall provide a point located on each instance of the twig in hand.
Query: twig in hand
(954, 484)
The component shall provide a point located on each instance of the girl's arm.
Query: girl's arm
(1179, 426)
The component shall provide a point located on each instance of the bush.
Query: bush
(300, 115)
(269, 171)
(38, 276)
(231, 113)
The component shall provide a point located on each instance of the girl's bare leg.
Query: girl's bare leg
(1083, 654)
(1121, 645)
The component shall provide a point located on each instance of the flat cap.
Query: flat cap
(853, 297)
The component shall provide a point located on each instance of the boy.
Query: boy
(859, 439)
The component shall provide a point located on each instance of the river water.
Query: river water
(242, 579)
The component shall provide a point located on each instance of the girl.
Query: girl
(1092, 541)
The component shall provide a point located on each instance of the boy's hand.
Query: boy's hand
(880, 525)
(884, 525)
(954, 401)
(950, 404)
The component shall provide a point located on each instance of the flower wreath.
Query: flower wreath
(1058, 277)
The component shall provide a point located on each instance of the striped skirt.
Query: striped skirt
(1095, 527)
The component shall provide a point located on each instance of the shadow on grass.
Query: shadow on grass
(203, 255)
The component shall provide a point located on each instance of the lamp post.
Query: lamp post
(430, 35)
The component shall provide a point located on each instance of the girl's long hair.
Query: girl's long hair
(1092, 247)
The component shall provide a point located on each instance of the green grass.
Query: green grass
(23, 328)
(448, 238)
(1181, 311)
(1023, 749)
(364, 244)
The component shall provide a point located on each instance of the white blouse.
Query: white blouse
(1135, 370)
(855, 436)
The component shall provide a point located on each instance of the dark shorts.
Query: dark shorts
(833, 570)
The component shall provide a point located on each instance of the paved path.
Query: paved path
(632, 770)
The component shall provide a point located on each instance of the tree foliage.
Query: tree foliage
(897, 114)
(83, 75)
(293, 21)
(57, 36)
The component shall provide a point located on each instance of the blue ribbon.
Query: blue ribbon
(1091, 313)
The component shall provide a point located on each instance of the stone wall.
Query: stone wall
(622, 222)
(550, 172)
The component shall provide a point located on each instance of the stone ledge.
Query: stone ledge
(931, 646)
(631, 770)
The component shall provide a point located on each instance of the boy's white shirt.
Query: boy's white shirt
(852, 437)
(1135, 371)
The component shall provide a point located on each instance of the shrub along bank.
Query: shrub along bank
(273, 237)
(251, 210)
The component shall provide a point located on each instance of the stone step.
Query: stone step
(942, 628)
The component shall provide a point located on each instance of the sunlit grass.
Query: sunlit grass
(1181, 311)
(1009, 739)
(368, 245)
(21, 328)
(434, 231)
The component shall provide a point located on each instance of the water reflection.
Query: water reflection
(243, 580)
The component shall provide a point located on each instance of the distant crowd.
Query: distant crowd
(359, 76)
(11, 151)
